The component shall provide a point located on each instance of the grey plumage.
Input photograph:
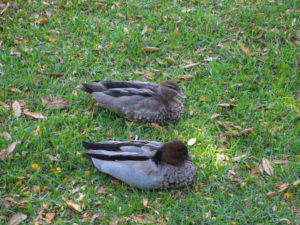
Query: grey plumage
(143, 164)
(139, 100)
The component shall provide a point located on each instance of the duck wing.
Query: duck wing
(107, 85)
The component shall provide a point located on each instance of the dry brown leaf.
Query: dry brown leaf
(226, 105)
(101, 191)
(247, 131)
(115, 221)
(285, 220)
(271, 194)
(2, 217)
(94, 217)
(100, 5)
(57, 103)
(207, 214)
(244, 48)
(171, 61)
(73, 206)
(17, 218)
(17, 109)
(267, 166)
(145, 202)
(186, 77)
(215, 115)
(237, 158)
(191, 110)
(279, 162)
(10, 148)
(143, 219)
(15, 53)
(191, 65)
(156, 126)
(54, 74)
(198, 51)
(5, 135)
(149, 49)
(4, 105)
(282, 187)
(33, 114)
(184, 9)
(115, 182)
(221, 138)
(148, 75)
(192, 141)
(42, 21)
(159, 61)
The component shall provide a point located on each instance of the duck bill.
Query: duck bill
(180, 94)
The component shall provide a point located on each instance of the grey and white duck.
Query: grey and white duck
(143, 164)
(139, 100)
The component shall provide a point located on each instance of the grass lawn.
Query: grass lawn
(246, 151)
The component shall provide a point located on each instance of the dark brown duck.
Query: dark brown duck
(139, 100)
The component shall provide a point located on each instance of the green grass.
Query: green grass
(83, 42)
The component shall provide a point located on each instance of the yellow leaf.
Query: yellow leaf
(73, 206)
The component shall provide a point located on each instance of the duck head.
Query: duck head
(169, 89)
(173, 152)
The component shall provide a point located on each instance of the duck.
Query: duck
(140, 101)
(143, 164)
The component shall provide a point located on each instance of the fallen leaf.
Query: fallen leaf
(5, 135)
(282, 187)
(296, 183)
(5, 152)
(115, 182)
(145, 202)
(57, 103)
(226, 105)
(15, 53)
(94, 217)
(33, 114)
(54, 74)
(271, 194)
(17, 218)
(191, 65)
(186, 77)
(244, 48)
(192, 141)
(215, 115)
(278, 162)
(115, 221)
(17, 109)
(73, 206)
(285, 220)
(159, 61)
(237, 85)
(156, 126)
(210, 59)
(237, 158)
(267, 166)
(42, 21)
(221, 138)
(5, 105)
(247, 131)
(75, 190)
(185, 10)
(143, 219)
(191, 110)
(207, 214)
(171, 61)
(101, 191)
(198, 51)
(274, 208)
(100, 5)
(149, 49)
(148, 75)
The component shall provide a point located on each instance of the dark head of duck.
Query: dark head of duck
(173, 152)
(169, 89)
